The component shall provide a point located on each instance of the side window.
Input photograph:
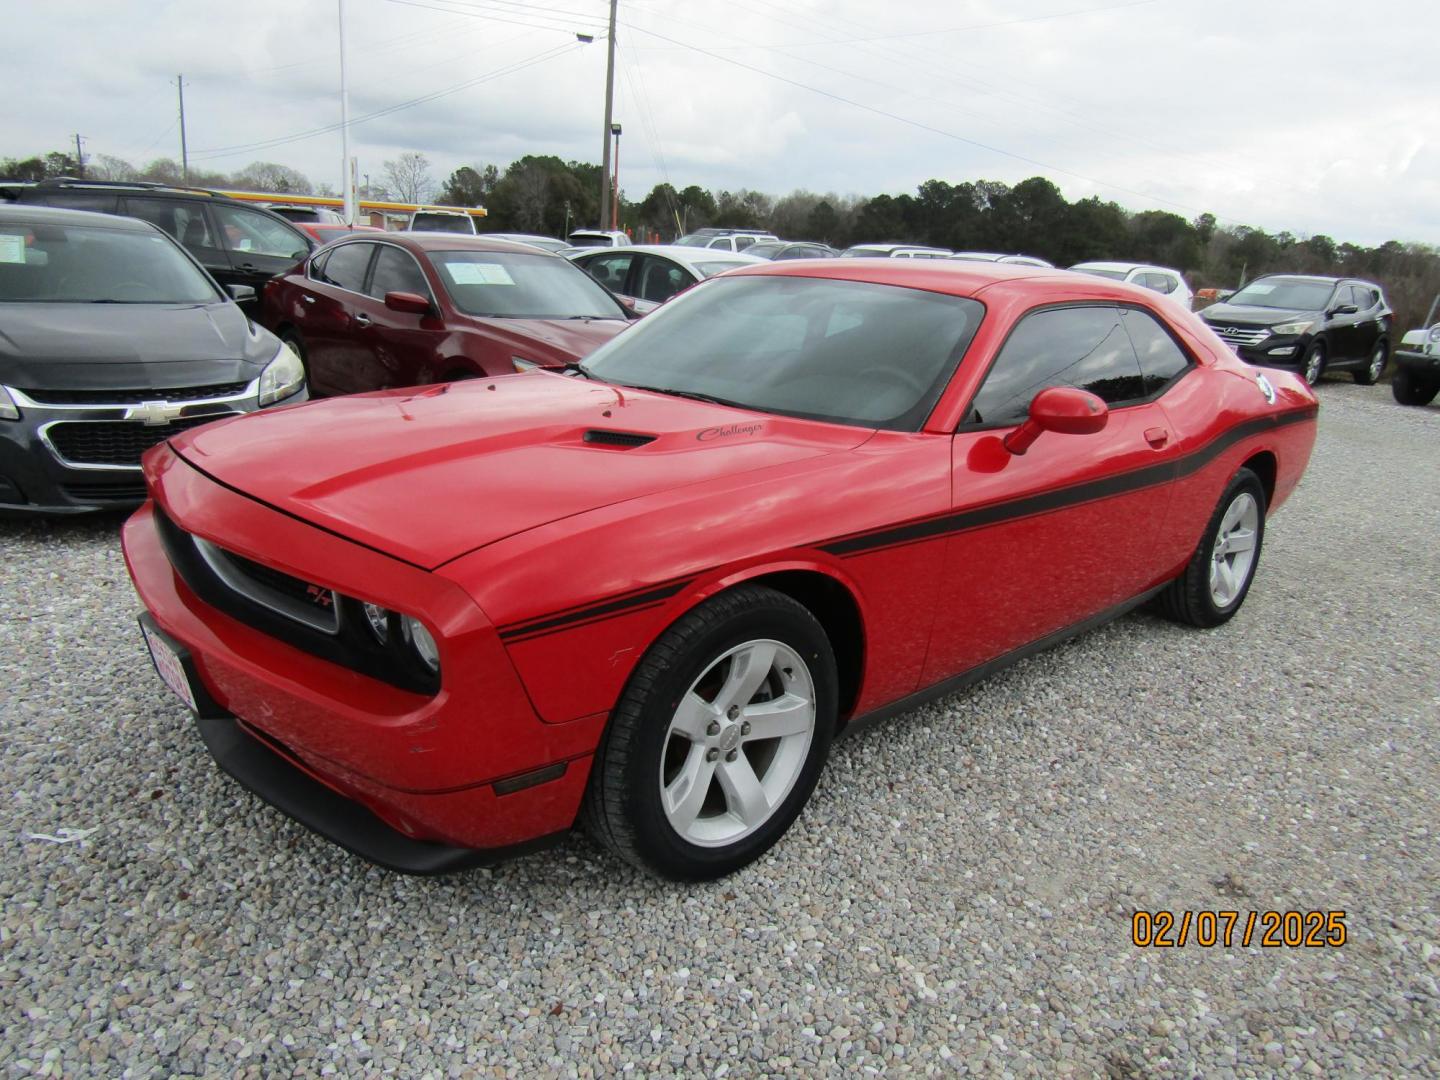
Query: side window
(742, 242)
(1084, 347)
(345, 266)
(184, 221)
(1161, 359)
(610, 270)
(250, 232)
(81, 200)
(1166, 284)
(721, 242)
(396, 271)
(660, 279)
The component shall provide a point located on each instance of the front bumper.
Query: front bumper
(471, 767)
(1423, 363)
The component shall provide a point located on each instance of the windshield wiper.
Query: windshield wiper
(577, 368)
(691, 394)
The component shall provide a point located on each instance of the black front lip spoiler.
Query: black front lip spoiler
(298, 795)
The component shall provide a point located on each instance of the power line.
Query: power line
(510, 69)
(921, 125)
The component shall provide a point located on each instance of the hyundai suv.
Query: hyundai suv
(1310, 324)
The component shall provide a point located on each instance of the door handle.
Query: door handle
(1157, 437)
(307, 298)
(361, 319)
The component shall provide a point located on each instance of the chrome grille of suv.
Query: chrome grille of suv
(1242, 335)
(133, 397)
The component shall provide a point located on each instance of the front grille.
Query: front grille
(302, 601)
(1241, 335)
(289, 609)
(133, 397)
(113, 442)
(129, 491)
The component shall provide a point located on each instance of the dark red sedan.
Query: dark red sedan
(438, 624)
(404, 309)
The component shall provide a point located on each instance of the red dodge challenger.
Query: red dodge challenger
(441, 624)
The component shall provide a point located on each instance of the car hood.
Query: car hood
(1244, 315)
(431, 473)
(129, 346)
(552, 342)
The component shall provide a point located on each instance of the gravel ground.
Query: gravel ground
(957, 898)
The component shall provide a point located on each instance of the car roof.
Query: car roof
(1033, 284)
(1124, 267)
(31, 214)
(977, 256)
(1317, 278)
(443, 241)
(679, 252)
(523, 236)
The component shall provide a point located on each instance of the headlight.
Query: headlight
(421, 641)
(1434, 334)
(1293, 327)
(283, 376)
(8, 409)
(522, 364)
(378, 619)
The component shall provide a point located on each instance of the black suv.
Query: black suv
(239, 244)
(1312, 324)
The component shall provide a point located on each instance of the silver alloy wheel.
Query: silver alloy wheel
(737, 743)
(1233, 557)
(1314, 364)
(1377, 362)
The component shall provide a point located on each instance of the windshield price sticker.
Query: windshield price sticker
(469, 273)
(12, 248)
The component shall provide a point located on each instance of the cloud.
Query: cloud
(1166, 104)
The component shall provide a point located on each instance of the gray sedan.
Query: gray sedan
(647, 275)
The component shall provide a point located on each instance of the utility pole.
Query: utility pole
(79, 156)
(184, 153)
(615, 190)
(605, 222)
(347, 167)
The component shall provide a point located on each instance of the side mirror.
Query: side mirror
(631, 311)
(408, 302)
(1345, 309)
(1060, 408)
(241, 294)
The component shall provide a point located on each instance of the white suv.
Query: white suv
(725, 239)
(451, 221)
(1161, 279)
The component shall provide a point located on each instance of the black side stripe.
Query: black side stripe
(592, 612)
(928, 528)
(1148, 476)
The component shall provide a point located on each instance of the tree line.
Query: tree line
(545, 194)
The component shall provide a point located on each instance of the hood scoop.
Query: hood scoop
(619, 440)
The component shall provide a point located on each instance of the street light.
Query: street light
(615, 188)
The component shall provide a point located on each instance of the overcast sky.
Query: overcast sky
(1310, 116)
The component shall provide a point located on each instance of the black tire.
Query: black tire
(1188, 598)
(1374, 367)
(623, 808)
(1312, 368)
(1412, 389)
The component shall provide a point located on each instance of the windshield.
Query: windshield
(598, 240)
(766, 249)
(1113, 275)
(874, 356)
(456, 223)
(85, 264)
(510, 285)
(695, 239)
(1287, 293)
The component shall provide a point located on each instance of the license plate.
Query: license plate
(171, 670)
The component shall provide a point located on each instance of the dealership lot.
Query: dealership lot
(958, 894)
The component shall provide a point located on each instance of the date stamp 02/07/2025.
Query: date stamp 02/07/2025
(1226, 929)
